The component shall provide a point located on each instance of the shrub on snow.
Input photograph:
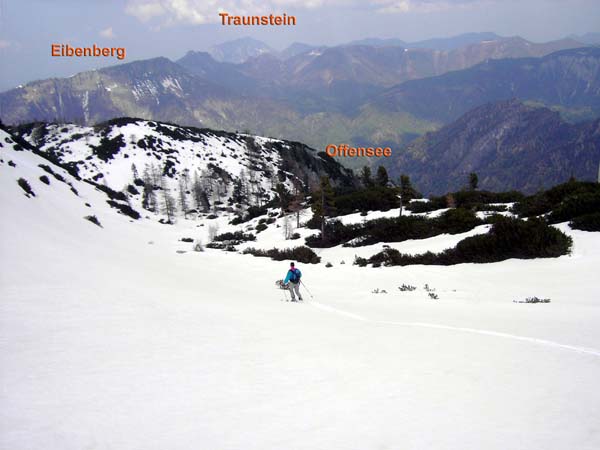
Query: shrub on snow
(508, 238)
(300, 254)
(26, 187)
(587, 222)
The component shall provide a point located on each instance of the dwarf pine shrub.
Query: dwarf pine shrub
(24, 184)
(587, 222)
(508, 238)
(300, 254)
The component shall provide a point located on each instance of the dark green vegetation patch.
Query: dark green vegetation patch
(508, 238)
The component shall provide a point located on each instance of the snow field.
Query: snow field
(109, 342)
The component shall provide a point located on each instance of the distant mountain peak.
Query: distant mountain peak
(455, 42)
(587, 38)
(378, 42)
(198, 54)
(239, 50)
(296, 48)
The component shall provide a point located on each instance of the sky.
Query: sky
(151, 28)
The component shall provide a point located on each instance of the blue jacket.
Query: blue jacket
(289, 275)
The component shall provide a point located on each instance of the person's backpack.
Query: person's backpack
(295, 277)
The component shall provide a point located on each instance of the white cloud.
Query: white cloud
(405, 6)
(107, 33)
(171, 12)
(207, 11)
(145, 10)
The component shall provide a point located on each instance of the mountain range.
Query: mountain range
(240, 50)
(567, 80)
(367, 94)
(379, 65)
(509, 144)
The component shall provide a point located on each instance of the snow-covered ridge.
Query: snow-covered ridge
(234, 170)
(74, 143)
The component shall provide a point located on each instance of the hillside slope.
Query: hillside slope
(508, 144)
(154, 89)
(201, 169)
(568, 81)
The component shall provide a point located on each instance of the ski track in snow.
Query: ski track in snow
(331, 309)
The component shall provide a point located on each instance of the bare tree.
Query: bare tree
(156, 175)
(185, 176)
(183, 205)
(295, 205)
(134, 171)
(196, 190)
(244, 185)
(149, 200)
(200, 196)
(252, 188)
(287, 227)
(207, 182)
(168, 202)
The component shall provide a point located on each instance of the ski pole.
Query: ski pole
(282, 287)
(307, 290)
(285, 290)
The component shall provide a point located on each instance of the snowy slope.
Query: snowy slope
(111, 339)
(120, 152)
(75, 144)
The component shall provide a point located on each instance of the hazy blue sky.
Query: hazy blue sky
(149, 28)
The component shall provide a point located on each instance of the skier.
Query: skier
(292, 282)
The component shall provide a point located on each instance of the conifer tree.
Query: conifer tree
(365, 177)
(254, 154)
(473, 181)
(238, 197)
(406, 189)
(283, 196)
(199, 193)
(324, 204)
(382, 177)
